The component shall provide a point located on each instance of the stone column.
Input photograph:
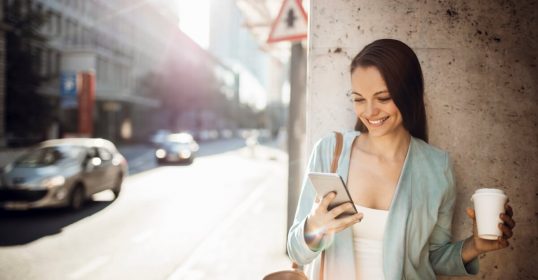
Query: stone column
(479, 60)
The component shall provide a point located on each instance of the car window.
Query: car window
(104, 154)
(72, 152)
(92, 152)
(180, 138)
(47, 156)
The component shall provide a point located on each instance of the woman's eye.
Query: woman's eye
(358, 100)
(385, 99)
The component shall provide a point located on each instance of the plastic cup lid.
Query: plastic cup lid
(489, 190)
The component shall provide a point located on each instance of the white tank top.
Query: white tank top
(368, 243)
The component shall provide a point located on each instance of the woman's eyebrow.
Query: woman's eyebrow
(379, 92)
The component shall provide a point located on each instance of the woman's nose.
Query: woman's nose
(370, 110)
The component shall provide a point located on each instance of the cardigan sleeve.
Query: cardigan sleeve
(445, 256)
(298, 250)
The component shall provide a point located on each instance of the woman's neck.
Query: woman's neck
(391, 147)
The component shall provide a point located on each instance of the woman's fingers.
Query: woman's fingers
(343, 223)
(507, 232)
(508, 220)
(336, 211)
(327, 200)
(470, 213)
(509, 210)
(503, 243)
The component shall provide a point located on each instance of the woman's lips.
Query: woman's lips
(378, 122)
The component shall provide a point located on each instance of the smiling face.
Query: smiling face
(373, 104)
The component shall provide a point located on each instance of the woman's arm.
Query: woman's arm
(314, 225)
(446, 256)
(298, 249)
(474, 246)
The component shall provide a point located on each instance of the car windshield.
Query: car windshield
(48, 156)
(179, 138)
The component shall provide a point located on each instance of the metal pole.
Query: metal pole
(296, 127)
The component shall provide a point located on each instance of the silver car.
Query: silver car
(177, 147)
(62, 172)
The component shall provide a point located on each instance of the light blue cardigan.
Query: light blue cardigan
(417, 241)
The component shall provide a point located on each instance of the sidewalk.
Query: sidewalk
(251, 241)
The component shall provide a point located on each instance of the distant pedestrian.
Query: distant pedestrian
(402, 187)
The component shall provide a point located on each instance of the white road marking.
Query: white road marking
(185, 269)
(89, 267)
(142, 236)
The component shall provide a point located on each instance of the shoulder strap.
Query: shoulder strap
(334, 167)
(337, 151)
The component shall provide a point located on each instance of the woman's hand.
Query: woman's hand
(476, 245)
(321, 222)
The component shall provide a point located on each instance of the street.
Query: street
(223, 217)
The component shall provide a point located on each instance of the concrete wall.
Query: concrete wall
(479, 61)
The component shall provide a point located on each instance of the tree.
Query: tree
(27, 113)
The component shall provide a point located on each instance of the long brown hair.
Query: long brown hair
(400, 68)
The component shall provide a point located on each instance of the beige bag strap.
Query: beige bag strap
(337, 151)
(334, 168)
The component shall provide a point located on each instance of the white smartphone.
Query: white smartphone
(325, 183)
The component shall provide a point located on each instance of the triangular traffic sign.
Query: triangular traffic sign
(291, 24)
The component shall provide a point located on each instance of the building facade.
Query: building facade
(2, 75)
(129, 47)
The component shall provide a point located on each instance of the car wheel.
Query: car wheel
(77, 198)
(117, 186)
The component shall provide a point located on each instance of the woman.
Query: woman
(403, 187)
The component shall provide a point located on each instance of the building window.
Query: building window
(43, 65)
(67, 31)
(59, 25)
(51, 24)
(53, 63)
(72, 33)
(57, 59)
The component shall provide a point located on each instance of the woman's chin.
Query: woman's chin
(381, 131)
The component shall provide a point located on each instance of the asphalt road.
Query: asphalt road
(223, 217)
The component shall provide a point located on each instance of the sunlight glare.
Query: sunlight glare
(194, 20)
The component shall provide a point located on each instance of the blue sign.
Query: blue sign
(68, 90)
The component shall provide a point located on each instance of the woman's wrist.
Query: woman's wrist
(469, 250)
(312, 237)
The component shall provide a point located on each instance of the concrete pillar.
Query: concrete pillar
(479, 61)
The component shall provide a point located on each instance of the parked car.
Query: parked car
(178, 147)
(62, 172)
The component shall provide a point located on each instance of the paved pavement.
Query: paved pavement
(254, 249)
(257, 247)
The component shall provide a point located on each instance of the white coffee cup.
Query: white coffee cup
(488, 205)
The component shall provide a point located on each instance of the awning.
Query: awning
(138, 100)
